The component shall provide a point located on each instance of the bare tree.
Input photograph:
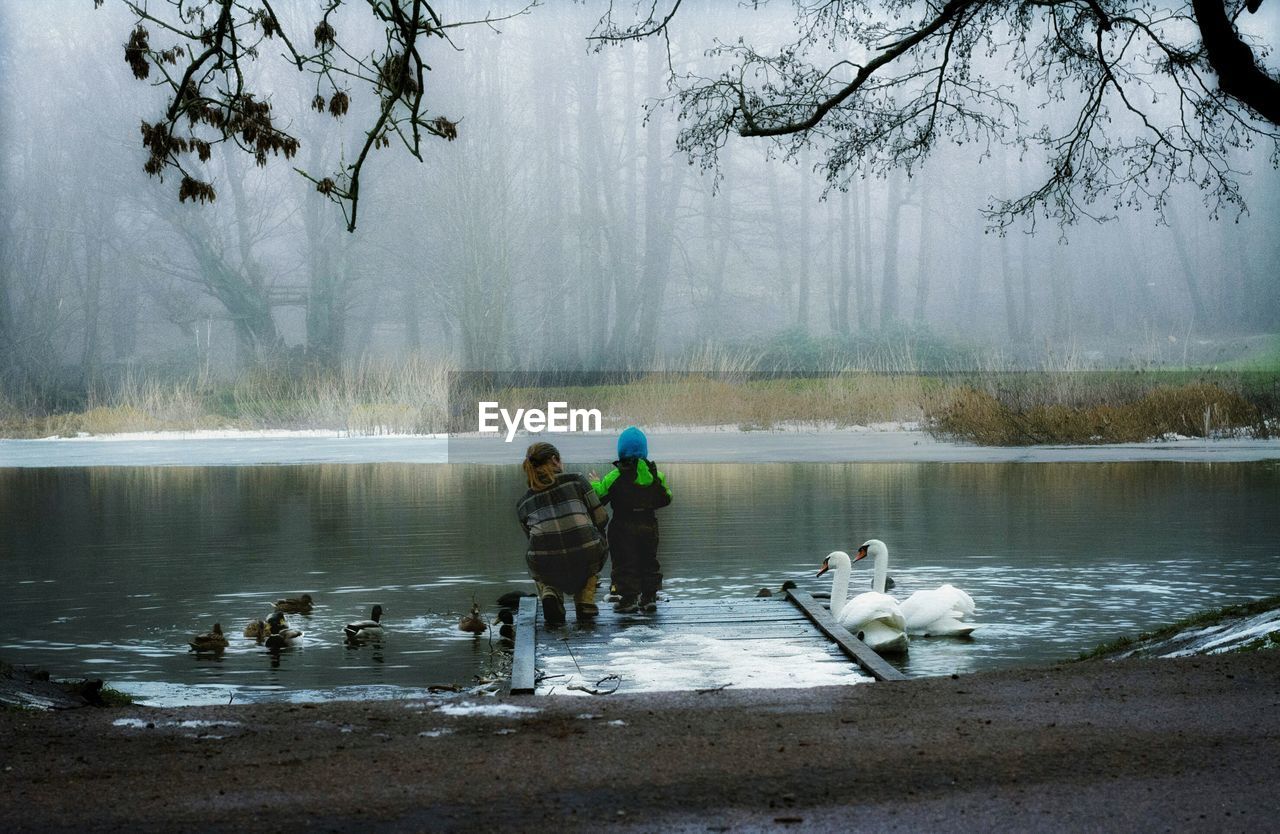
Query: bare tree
(1149, 96)
(205, 66)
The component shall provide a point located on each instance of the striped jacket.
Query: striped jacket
(565, 524)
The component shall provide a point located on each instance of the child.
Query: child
(565, 522)
(635, 488)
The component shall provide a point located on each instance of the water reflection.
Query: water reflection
(116, 568)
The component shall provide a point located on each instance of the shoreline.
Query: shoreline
(1125, 745)
(878, 443)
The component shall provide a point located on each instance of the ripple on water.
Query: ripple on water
(422, 541)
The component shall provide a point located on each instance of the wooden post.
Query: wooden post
(862, 654)
(522, 662)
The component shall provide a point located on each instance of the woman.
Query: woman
(566, 523)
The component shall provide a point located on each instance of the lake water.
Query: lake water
(108, 570)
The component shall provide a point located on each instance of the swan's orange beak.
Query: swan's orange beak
(826, 566)
(862, 553)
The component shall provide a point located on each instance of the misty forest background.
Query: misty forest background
(561, 229)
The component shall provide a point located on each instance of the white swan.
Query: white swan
(874, 617)
(940, 612)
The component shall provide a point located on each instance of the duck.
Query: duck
(257, 629)
(511, 599)
(295, 605)
(938, 612)
(211, 642)
(473, 623)
(764, 593)
(366, 629)
(508, 629)
(281, 635)
(874, 617)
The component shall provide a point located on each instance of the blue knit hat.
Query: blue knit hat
(632, 444)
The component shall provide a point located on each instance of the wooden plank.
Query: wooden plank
(872, 663)
(804, 633)
(660, 619)
(672, 613)
(522, 661)
(766, 652)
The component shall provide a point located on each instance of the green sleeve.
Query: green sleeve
(602, 486)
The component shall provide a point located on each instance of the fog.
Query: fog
(562, 228)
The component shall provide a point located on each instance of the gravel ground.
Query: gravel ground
(1134, 745)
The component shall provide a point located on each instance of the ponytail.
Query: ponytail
(540, 466)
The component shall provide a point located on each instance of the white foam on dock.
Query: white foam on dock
(682, 662)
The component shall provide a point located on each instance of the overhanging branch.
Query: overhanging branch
(1239, 75)
(949, 11)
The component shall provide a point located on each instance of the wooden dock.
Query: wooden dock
(699, 644)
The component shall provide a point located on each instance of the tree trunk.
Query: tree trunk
(553, 286)
(1188, 270)
(889, 290)
(1239, 75)
(925, 262)
(862, 283)
(802, 279)
(1024, 263)
(590, 240)
(325, 306)
(93, 231)
(660, 203)
(718, 231)
(842, 296)
(1010, 298)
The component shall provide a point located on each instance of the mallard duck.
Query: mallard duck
(366, 629)
(473, 623)
(258, 630)
(511, 599)
(295, 605)
(786, 586)
(281, 635)
(507, 618)
(211, 642)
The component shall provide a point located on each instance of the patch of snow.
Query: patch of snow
(468, 708)
(192, 723)
(1224, 637)
(136, 723)
(436, 733)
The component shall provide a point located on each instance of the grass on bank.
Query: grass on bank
(407, 397)
(1201, 619)
(412, 397)
(1106, 408)
(990, 409)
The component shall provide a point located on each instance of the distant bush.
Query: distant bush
(1192, 410)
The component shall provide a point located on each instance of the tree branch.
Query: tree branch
(1239, 75)
(891, 54)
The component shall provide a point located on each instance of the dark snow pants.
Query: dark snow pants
(633, 547)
